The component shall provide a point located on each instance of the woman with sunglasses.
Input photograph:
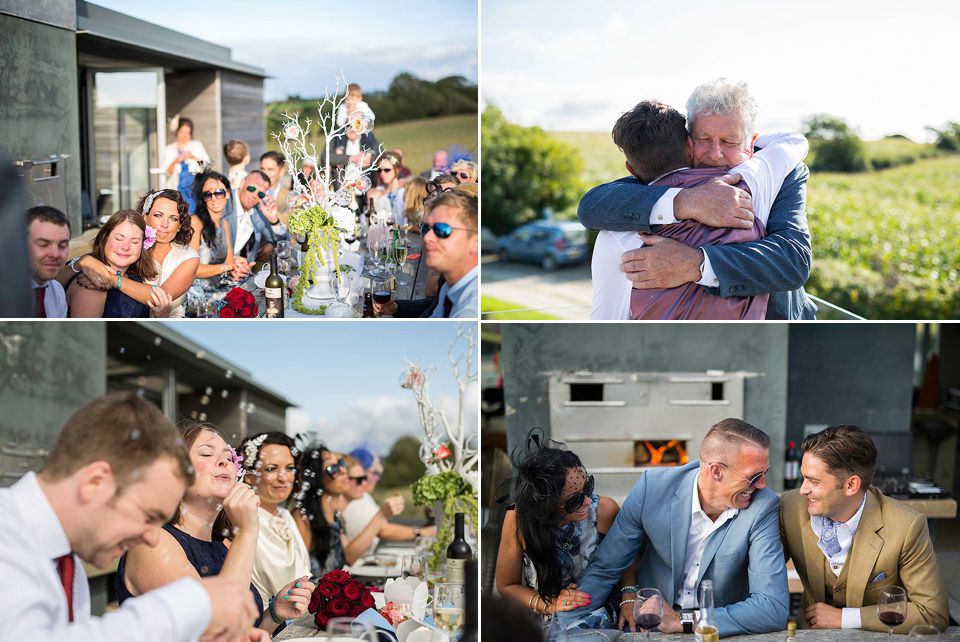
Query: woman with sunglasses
(550, 533)
(465, 171)
(390, 186)
(211, 231)
(270, 462)
(319, 516)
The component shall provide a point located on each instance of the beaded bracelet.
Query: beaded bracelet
(628, 589)
(119, 279)
(273, 614)
(626, 602)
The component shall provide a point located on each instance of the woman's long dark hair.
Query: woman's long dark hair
(541, 476)
(311, 502)
(208, 229)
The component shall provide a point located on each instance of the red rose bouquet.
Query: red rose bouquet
(338, 595)
(239, 304)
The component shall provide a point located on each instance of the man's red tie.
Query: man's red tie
(65, 568)
(41, 311)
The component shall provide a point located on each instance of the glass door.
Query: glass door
(126, 110)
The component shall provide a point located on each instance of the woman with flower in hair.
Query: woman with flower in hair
(166, 243)
(270, 462)
(550, 533)
(318, 517)
(214, 532)
(119, 249)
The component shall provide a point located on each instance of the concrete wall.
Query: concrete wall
(57, 13)
(243, 116)
(39, 108)
(196, 95)
(533, 351)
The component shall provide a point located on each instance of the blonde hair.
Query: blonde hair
(415, 190)
(469, 167)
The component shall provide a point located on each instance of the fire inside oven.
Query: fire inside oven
(672, 452)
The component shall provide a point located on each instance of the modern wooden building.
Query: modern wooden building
(87, 96)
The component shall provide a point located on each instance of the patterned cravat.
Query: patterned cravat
(828, 537)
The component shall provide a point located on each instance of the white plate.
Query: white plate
(261, 278)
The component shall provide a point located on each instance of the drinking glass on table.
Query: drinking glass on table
(346, 628)
(892, 607)
(284, 252)
(380, 290)
(400, 250)
(413, 566)
(378, 251)
(648, 610)
(206, 308)
(449, 607)
(925, 632)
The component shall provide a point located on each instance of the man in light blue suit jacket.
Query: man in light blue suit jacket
(778, 264)
(266, 232)
(713, 519)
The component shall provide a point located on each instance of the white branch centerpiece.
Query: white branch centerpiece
(318, 212)
(448, 448)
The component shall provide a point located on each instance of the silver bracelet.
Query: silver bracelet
(626, 602)
(73, 265)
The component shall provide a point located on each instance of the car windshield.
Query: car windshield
(575, 236)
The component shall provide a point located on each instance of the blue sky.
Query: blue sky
(569, 66)
(344, 377)
(304, 45)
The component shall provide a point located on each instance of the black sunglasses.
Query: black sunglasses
(573, 504)
(333, 469)
(461, 175)
(253, 188)
(385, 170)
(441, 230)
(220, 193)
(359, 480)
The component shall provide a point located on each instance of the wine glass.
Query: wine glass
(400, 251)
(378, 250)
(339, 285)
(284, 252)
(413, 565)
(892, 606)
(380, 290)
(346, 628)
(449, 607)
(925, 632)
(648, 610)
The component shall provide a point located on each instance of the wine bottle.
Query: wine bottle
(273, 288)
(791, 632)
(367, 306)
(706, 630)
(791, 467)
(458, 552)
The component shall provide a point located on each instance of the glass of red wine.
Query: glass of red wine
(648, 610)
(892, 606)
(380, 290)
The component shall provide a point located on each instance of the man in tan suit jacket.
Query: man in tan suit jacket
(848, 541)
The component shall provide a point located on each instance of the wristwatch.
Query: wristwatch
(416, 531)
(686, 618)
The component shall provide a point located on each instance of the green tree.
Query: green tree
(524, 170)
(948, 138)
(836, 146)
(402, 466)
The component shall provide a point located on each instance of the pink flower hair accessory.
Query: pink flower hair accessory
(149, 237)
(238, 462)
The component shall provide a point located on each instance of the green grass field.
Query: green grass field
(884, 242)
(419, 139)
(490, 304)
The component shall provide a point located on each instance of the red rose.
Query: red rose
(246, 312)
(329, 589)
(357, 610)
(351, 590)
(248, 298)
(366, 599)
(235, 303)
(234, 293)
(338, 576)
(339, 606)
(316, 600)
(227, 313)
(321, 618)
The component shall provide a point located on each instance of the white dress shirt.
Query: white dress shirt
(244, 225)
(849, 616)
(54, 301)
(357, 515)
(465, 297)
(764, 174)
(33, 605)
(701, 528)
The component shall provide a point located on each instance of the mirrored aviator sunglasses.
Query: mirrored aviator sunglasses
(573, 504)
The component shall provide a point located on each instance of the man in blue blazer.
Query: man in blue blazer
(714, 519)
(778, 264)
(256, 217)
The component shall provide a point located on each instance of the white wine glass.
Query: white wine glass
(648, 610)
(449, 607)
(400, 250)
(892, 607)
(342, 629)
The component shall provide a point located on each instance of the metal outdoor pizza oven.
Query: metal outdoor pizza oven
(620, 423)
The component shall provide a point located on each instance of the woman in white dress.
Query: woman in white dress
(211, 232)
(390, 186)
(271, 469)
(182, 159)
(166, 213)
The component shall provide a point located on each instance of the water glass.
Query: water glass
(206, 308)
(413, 566)
(342, 629)
(925, 632)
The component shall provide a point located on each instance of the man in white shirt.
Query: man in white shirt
(116, 474)
(48, 243)
(713, 519)
(255, 226)
(452, 245)
(274, 165)
(849, 542)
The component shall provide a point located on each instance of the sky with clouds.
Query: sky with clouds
(571, 66)
(304, 45)
(344, 377)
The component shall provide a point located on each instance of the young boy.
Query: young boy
(653, 138)
(353, 101)
(237, 154)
